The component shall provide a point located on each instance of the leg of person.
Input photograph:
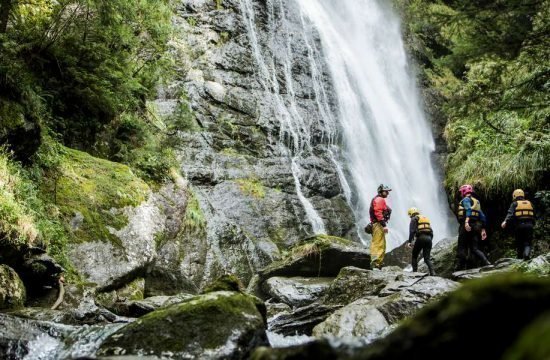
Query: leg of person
(518, 243)
(474, 243)
(462, 248)
(426, 250)
(377, 246)
(524, 236)
(416, 251)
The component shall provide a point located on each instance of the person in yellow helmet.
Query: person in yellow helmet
(521, 214)
(420, 231)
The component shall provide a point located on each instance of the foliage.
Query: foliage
(17, 222)
(87, 60)
(489, 63)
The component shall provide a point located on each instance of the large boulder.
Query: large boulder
(353, 283)
(319, 256)
(215, 325)
(12, 290)
(296, 291)
(378, 308)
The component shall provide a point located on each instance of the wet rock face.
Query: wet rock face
(215, 325)
(238, 155)
(12, 290)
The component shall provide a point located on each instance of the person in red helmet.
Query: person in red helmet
(379, 216)
(471, 228)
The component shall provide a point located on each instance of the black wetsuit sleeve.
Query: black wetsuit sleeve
(511, 212)
(412, 228)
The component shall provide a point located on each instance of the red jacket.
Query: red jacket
(379, 210)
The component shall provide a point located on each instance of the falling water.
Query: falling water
(386, 137)
(295, 126)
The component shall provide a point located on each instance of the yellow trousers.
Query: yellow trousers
(377, 245)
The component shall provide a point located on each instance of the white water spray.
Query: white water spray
(386, 137)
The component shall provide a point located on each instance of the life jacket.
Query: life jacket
(424, 224)
(524, 210)
(476, 208)
(386, 211)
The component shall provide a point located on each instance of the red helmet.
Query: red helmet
(466, 189)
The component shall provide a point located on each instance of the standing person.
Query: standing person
(380, 214)
(471, 227)
(522, 215)
(420, 231)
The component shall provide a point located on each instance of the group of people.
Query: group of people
(471, 231)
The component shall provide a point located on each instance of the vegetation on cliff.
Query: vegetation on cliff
(79, 74)
(488, 64)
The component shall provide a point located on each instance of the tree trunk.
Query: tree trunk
(5, 9)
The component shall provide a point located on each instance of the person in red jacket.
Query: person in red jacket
(379, 216)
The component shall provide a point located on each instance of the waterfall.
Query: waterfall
(385, 134)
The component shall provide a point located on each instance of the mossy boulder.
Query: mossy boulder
(318, 256)
(12, 290)
(88, 190)
(215, 325)
(109, 216)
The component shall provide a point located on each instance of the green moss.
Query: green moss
(203, 322)
(97, 189)
(229, 152)
(315, 244)
(194, 221)
(251, 187)
(17, 224)
(228, 282)
(529, 344)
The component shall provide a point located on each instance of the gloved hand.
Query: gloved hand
(409, 245)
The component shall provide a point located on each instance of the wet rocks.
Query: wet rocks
(375, 300)
(296, 291)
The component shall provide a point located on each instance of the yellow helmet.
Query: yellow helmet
(412, 211)
(518, 193)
